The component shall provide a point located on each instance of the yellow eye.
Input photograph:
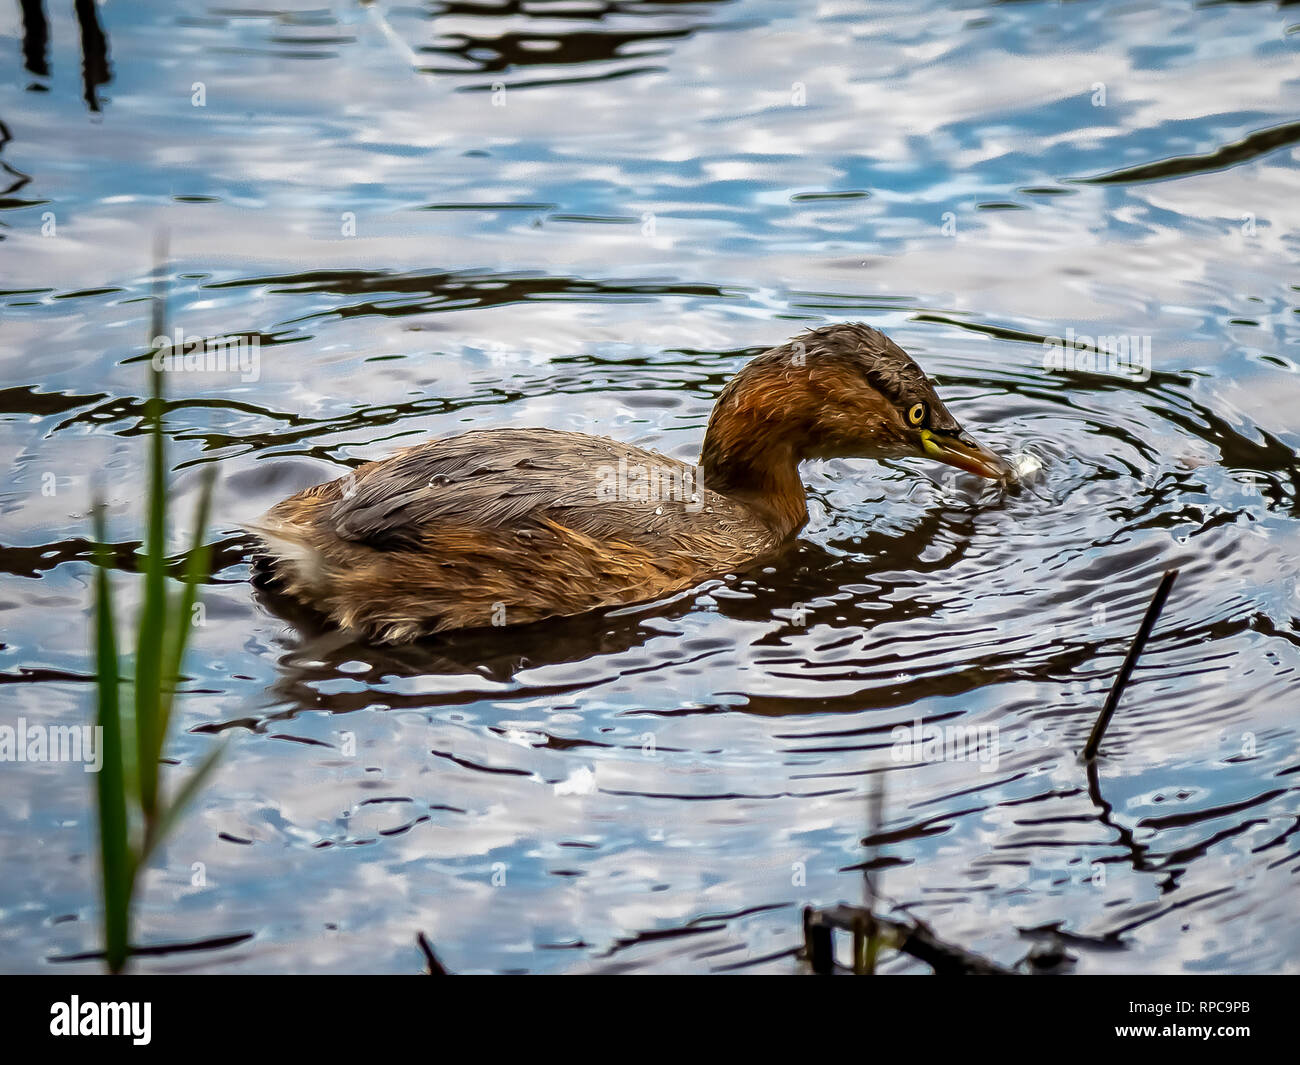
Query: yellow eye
(917, 414)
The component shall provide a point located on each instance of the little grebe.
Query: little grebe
(505, 526)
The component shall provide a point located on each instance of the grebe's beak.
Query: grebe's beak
(961, 450)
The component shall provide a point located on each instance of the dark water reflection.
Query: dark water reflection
(587, 216)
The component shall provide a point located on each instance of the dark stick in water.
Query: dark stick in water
(1130, 660)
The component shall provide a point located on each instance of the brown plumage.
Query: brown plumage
(506, 526)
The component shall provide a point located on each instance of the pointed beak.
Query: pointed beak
(962, 451)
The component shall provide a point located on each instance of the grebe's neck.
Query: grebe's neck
(752, 451)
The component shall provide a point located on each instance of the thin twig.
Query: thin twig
(1130, 660)
(430, 958)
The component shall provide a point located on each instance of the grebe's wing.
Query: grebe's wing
(499, 479)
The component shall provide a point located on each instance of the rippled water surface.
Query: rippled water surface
(587, 214)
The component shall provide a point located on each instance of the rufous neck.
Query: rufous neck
(756, 463)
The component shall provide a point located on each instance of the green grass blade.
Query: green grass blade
(153, 611)
(158, 303)
(178, 634)
(117, 866)
(173, 810)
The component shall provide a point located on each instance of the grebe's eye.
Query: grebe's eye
(917, 414)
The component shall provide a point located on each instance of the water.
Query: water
(667, 188)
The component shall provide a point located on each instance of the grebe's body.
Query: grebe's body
(506, 526)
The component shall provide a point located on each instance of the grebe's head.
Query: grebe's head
(836, 392)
